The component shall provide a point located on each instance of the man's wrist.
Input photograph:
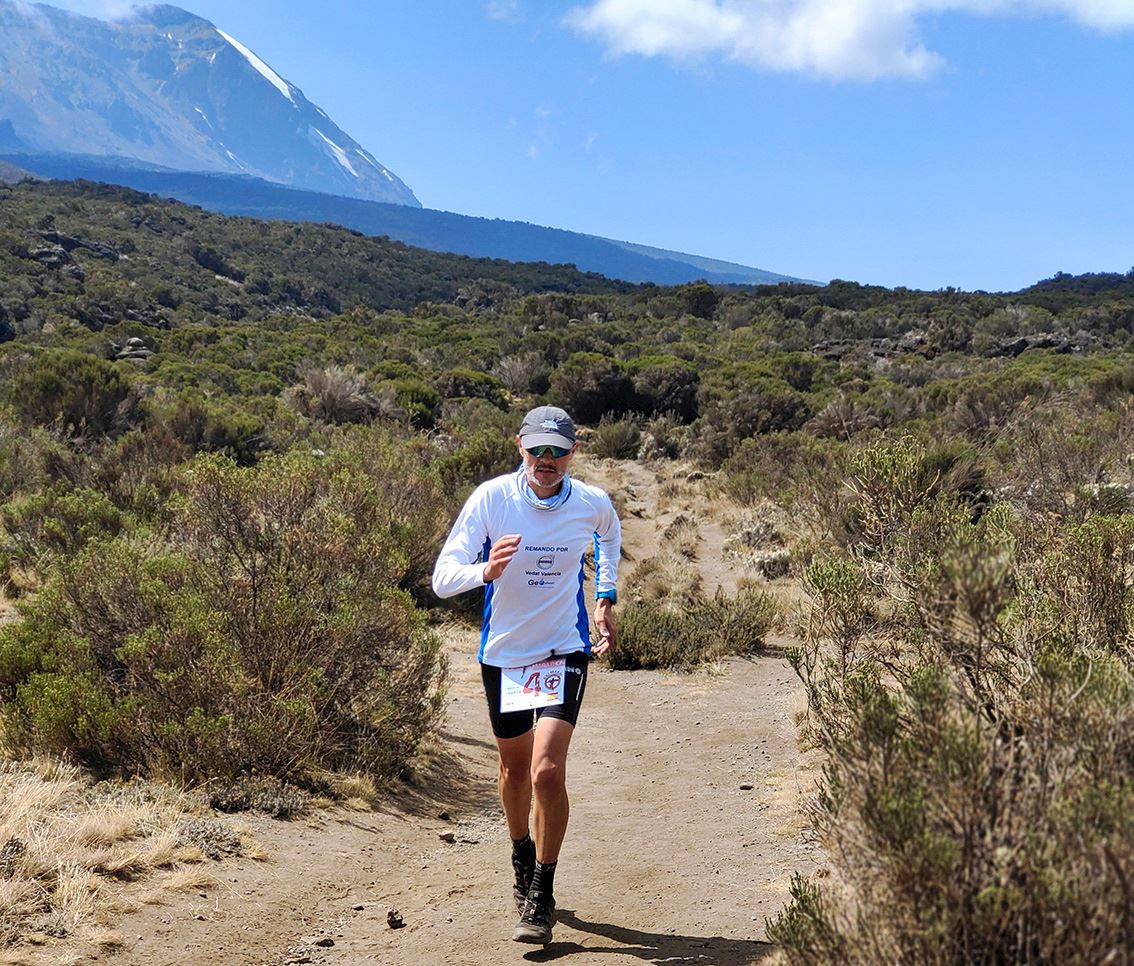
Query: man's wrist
(610, 596)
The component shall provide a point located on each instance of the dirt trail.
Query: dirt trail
(685, 830)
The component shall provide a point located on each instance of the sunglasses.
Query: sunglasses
(555, 452)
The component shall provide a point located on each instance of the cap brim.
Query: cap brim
(545, 439)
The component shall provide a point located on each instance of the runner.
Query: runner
(522, 537)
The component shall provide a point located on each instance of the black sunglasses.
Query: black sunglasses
(556, 452)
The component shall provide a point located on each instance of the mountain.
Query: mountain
(10, 174)
(169, 88)
(439, 231)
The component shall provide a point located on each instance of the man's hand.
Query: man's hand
(500, 556)
(604, 622)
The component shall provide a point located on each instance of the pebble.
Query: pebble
(448, 837)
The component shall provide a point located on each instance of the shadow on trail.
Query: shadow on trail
(446, 781)
(654, 947)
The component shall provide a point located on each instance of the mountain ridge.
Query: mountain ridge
(438, 231)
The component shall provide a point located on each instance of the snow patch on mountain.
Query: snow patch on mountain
(263, 69)
(339, 153)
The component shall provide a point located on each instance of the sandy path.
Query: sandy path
(685, 831)
(669, 858)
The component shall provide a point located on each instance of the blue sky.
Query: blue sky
(982, 144)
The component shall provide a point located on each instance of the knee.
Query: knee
(548, 776)
(514, 776)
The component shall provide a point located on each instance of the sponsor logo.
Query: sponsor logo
(550, 424)
(544, 563)
(551, 682)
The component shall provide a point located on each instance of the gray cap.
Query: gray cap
(547, 426)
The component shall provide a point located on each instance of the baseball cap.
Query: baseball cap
(547, 426)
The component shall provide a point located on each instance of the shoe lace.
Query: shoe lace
(536, 909)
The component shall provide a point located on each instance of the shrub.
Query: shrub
(615, 438)
(28, 458)
(335, 394)
(589, 384)
(665, 384)
(41, 528)
(976, 800)
(523, 372)
(655, 635)
(208, 424)
(265, 633)
(82, 395)
(417, 401)
(470, 384)
(479, 457)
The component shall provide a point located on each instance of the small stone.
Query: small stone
(443, 815)
(325, 941)
(448, 837)
(394, 919)
(358, 908)
(746, 788)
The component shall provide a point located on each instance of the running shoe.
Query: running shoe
(537, 919)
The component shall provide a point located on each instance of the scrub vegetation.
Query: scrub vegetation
(229, 449)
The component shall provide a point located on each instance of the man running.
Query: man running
(522, 537)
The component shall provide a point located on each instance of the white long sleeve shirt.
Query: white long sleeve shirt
(536, 608)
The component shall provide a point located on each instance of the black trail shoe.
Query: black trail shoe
(537, 919)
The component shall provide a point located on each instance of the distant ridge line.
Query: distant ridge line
(427, 228)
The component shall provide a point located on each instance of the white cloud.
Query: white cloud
(838, 39)
(508, 11)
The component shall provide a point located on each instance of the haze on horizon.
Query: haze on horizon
(982, 144)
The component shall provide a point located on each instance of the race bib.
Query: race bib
(535, 686)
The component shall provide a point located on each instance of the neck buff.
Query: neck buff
(538, 502)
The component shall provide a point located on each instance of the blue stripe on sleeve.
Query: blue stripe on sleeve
(583, 624)
(488, 592)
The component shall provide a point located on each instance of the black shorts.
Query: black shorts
(515, 723)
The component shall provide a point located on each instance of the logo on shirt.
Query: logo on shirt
(545, 563)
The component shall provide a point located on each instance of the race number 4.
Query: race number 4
(534, 686)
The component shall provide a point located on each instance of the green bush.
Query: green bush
(266, 632)
(208, 424)
(977, 794)
(479, 457)
(79, 394)
(470, 384)
(664, 384)
(39, 529)
(616, 439)
(589, 385)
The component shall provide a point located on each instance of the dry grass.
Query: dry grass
(665, 577)
(68, 851)
(106, 938)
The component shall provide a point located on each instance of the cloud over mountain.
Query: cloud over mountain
(836, 39)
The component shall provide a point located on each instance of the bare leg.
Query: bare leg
(515, 782)
(549, 780)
